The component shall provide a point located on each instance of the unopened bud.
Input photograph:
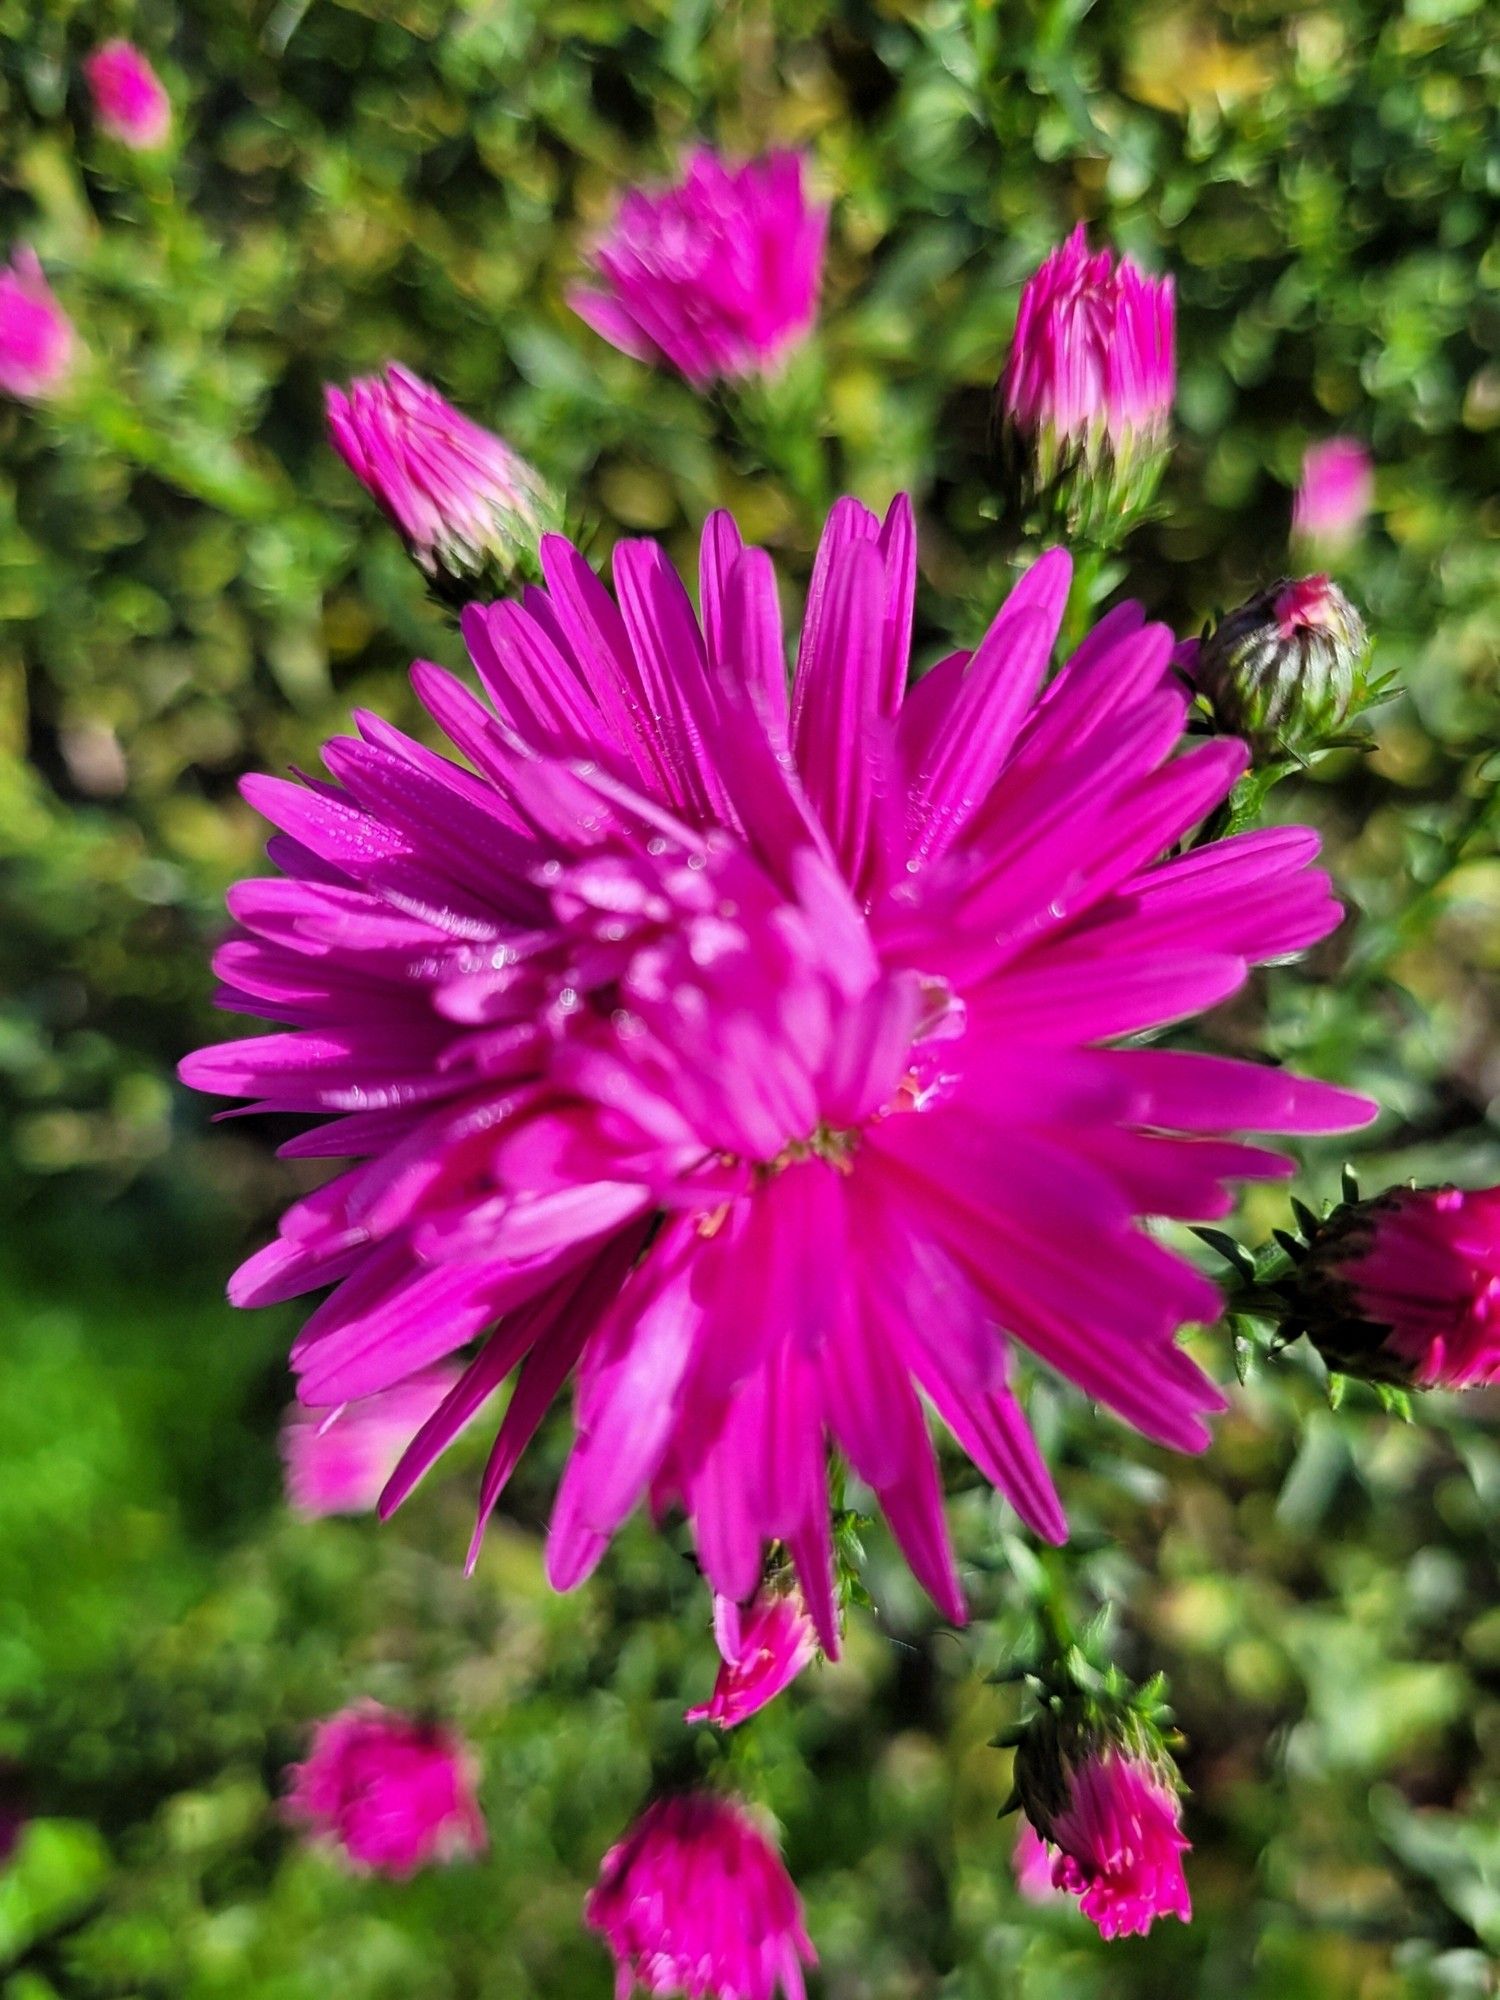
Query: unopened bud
(37, 343)
(1084, 406)
(1288, 668)
(471, 510)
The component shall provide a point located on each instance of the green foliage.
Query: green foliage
(191, 586)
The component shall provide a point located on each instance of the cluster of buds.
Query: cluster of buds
(1287, 669)
(1084, 405)
(1102, 1797)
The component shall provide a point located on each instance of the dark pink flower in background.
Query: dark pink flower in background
(129, 101)
(1032, 1862)
(465, 503)
(718, 276)
(749, 1055)
(1085, 399)
(1334, 494)
(1120, 1843)
(763, 1648)
(1405, 1288)
(37, 342)
(392, 1795)
(337, 1461)
(695, 1901)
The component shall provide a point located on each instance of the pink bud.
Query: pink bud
(1334, 495)
(718, 276)
(1085, 399)
(37, 341)
(1406, 1288)
(1101, 1791)
(1122, 1844)
(130, 102)
(696, 1900)
(337, 1462)
(390, 1794)
(1032, 1862)
(463, 500)
(763, 1651)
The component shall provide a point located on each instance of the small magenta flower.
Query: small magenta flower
(717, 276)
(1405, 1288)
(1085, 399)
(468, 506)
(337, 1461)
(763, 1651)
(1334, 495)
(390, 1794)
(37, 341)
(695, 1900)
(130, 101)
(1288, 668)
(1104, 1796)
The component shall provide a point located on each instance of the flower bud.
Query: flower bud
(390, 1795)
(129, 101)
(1031, 1862)
(716, 276)
(36, 336)
(1405, 1288)
(1101, 1790)
(696, 1900)
(1288, 668)
(763, 1649)
(337, 1462)
(471, 510)
(1084, 405)
(1333, 496)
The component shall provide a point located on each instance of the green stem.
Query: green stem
(779, 423)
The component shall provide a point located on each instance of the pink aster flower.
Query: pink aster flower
(1406, 1288)
(1333, 498)
(337, 1461)
(1121, 1844)
(763, 1650)
(753, 1058)
(129, 100)
(391, 1794)
(36, 336)
(1086, 394)
(717, 276)
(695, 1901)
(465, 503)
(1032, 1862)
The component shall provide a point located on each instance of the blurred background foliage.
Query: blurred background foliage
(191, 585)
